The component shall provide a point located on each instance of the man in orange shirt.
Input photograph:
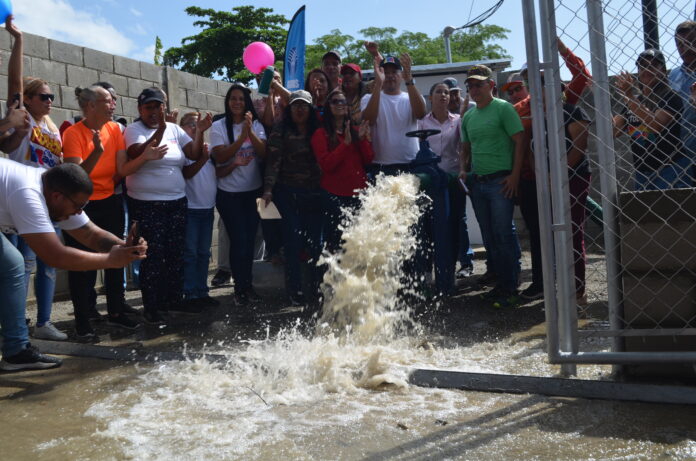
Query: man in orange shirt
(94, 143)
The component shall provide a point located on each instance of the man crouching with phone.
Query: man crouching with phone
(30, 200)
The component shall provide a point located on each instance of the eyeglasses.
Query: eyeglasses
(480, 84)
(47, 96)
(78, 207)
(339, 102)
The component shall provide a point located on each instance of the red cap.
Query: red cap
(351, 66)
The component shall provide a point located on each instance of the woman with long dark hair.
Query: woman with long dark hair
(342, 152)
(238, 144)
(319, 86)
(292, 182)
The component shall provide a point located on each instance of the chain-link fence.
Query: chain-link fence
(617, 207)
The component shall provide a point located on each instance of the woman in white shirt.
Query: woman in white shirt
(156, 154)
(238, 144)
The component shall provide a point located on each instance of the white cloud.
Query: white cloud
(135, 12)
(137, 29)
(60, 21)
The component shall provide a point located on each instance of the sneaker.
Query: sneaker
(186, 308)
(87, 336)
(154, 318)
(96, 316)
(128, 309)
(123, 321)
(487, 279)
(465, 272)
(221, 278)
(49, 331)
(241, 299)
(29, 359)
(533, 291)
(253, 296)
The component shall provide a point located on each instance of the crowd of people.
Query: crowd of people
(308, 152)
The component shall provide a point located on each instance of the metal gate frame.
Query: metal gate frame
(554, 203)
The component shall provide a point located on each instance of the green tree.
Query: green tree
(158, 51)
(218, 48)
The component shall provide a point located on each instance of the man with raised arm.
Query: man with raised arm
(31, 199)
(391, 112)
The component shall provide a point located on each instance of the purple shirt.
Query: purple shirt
(446, 143)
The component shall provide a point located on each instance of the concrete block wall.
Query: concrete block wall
(65, 66)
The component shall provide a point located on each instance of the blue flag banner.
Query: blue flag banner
(295, 52)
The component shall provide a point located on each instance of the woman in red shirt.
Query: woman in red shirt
(342, 152)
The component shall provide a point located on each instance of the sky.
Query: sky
(128, 27)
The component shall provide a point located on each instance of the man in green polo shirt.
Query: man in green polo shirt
(492, 140)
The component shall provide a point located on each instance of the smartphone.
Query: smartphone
(134, 234)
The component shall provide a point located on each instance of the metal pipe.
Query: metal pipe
(542, 175)
(605, 153)
(613, 358)
(651, 33)
(558, 163)
(446, 35)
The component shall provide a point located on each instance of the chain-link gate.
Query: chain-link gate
(637, 283)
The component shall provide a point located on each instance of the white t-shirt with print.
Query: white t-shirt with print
(40, 148)
(23, 207)
(158, 179)
(395, 119)
(244, 178)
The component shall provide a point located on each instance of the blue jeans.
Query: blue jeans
(461, 245)
(301, 210)
(199, 237)
(44, 279)
(494, 214)
(13, 292)
(238, 211)
(674, 176)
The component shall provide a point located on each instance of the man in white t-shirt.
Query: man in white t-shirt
(31, 200)
(392, 113)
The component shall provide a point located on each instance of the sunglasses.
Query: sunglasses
(339, 102)
(47, 96)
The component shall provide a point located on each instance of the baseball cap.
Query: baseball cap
(513, 79)
(350, 65)
(650, 56)
(479, 72)
(393, 60)
(332, 53)
(300, 95)
(151, 94)
(451, 83)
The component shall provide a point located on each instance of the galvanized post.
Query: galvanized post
(542, 179)
(558, 163)
(605, 153)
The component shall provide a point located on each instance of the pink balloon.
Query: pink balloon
(257, 56)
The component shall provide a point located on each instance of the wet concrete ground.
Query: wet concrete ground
(42, 413)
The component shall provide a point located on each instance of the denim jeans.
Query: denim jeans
(199, 236)
(461, 246)
(13, 326)
(44, 279)
(494, 214)
(333, 216)
(674, 176)
(238, 211)
(301, 210)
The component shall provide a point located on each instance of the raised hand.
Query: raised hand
(372, 48)
(364, 132)
(406, 63)
(204, 123)
(19, 118)
(154, 153)
(625, 83)
(12, 28)
(96, 140)
(172, 116)
(248, 124)
(162, 117)
(347, 135)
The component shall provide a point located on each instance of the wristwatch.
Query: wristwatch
(410, 82)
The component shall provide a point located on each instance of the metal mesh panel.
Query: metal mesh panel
(639, 220)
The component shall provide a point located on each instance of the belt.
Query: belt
(492, 176)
